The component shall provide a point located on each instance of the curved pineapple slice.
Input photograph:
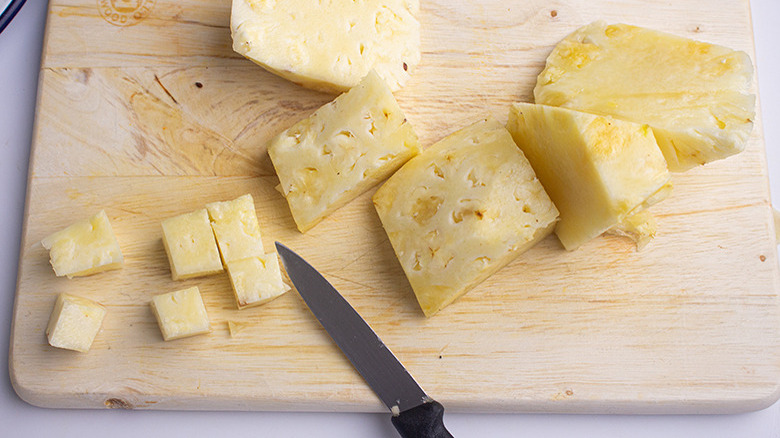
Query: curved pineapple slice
(461, 210)
(599, 171)
(340, 151)
(329, 46)
(694, 95)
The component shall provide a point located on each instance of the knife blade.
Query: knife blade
(415, 415)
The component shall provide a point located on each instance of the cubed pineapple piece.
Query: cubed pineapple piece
(329, 46)
(341, 150)
(74, 322)
(696, 96)
(236, 228)
(84, 248)
(190, 244)
(461, 210)
(180, 314)
(256, 280)
(599, 171)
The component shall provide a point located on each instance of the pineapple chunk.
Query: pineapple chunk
(84, 248)
(190, 245)
(236, 228)
(640, 228)
(180, 314)
(256, 280)
(329, 46)
(461, 210)
(342, 150)
(599, 171)
(74, 322)
(694, 95)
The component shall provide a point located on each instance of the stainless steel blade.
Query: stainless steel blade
(368, 354)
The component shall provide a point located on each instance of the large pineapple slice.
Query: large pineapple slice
(599, 171)
(695, 96)
(329, 45)
(461, 210)
(340, 151)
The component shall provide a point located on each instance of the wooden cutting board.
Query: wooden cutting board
(149, 114)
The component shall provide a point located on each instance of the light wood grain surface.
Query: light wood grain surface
(690, 324)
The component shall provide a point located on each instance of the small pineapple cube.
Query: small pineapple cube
(84, 248)
(329, 46)
(256, 280)
(190, 245)
(74, 322)
(181, 314)
(461, 210)
(236, 228)
(599, 171)
(340, 151)
(696, 96)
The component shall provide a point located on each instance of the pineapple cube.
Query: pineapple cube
(84, 248)
(599, 171)
(256, 280)
(180, 314)
(342, 150)
(461, 210)
(329, 46)
(190, 245)
(236, 228)
(74, 322)
(696, 96)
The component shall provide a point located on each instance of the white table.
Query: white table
(20, 49)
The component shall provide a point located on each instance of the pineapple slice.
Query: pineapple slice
(190, 245)
(461, 210)
(694, 95)
(74, 322)
(180, 314)
(329, 46)
(599, 171)
(84, 248)
(342, 150)
(256, 280)
(236, 228)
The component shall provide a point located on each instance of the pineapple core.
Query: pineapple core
(341, 150)
(329, 46)
(600, 172)
(461, 210)
(696, 96)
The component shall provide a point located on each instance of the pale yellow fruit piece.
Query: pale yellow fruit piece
(329, 45)
(84, 248)
(599, 171)
(461, 210)
(236, 327)
(696, 96)
(180, 314)
(190, 244)
(236, 228)
(74, 322)
(640, 227)
(342, 150)
(256, 280)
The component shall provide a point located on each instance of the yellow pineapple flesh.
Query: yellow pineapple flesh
(461, 210)
(696, 96)
(599, 171)
(340, 151)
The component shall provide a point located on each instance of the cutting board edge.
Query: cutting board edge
(139, 401)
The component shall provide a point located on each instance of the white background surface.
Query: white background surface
(20, 49)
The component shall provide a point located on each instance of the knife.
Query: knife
(415, 415)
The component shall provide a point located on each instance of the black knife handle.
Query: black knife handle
(424, 421)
